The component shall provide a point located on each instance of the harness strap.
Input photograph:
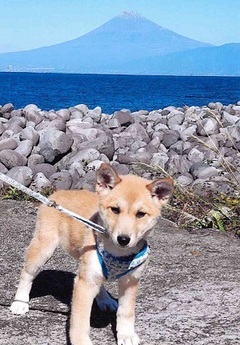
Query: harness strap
(52, 203)
(115, 267)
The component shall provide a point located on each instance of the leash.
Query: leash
(52, 203)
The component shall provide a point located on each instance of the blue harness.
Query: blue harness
(115, 267)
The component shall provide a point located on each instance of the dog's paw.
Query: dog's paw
(107, 303)
(19, 307)
(128, 340)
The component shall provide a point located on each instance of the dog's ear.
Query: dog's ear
(161, 190)
(107, 178)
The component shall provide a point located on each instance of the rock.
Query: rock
(40, 183)
(121, 169)
(7, 108)
(2, 128)
(64, 114)
(34, 116)
(165, 112)
(54, 143)
(52, 116)
(177, 165)
(188, 133)
(46, 168)
(113, 123)
(207, 127)
(154, 116)
(25, 148)
(20, 121)
(89, 133)
(21, 174)
(95, 114)
(195, 155)
(159, 159)
(185, 180)
(124, 117)
(29, 133)
(78, 123)
(82, 108)
(137, 131)
(3, 169)
(211, 105)
(12, 158)
(175, 119)
(94, 165)
(61, 180)
(84, 156)
(89, 181)
(103, 143)
(35, 159)
(58, 124)
(14, 127)
(203, 171)
(170, 137)
(76, 114)
(230, 119)
(203, 187)
(8, 143)
(177, 147)
(232, 132)
(31, 107)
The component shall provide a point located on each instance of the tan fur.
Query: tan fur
(128, 206)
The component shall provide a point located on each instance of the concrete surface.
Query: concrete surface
(190, 294)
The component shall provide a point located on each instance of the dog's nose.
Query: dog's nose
(123, 240)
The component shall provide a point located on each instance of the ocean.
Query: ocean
(115, 92)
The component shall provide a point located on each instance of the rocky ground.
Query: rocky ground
(198, 146)
(189, 295)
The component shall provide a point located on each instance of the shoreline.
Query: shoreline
(61, 149)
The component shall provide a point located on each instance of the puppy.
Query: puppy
(128, 207)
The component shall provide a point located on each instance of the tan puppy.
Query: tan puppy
(128, 207)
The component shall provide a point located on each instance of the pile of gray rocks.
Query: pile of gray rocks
(198, 146)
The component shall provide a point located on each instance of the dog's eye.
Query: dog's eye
(140, 214)
(115, 210)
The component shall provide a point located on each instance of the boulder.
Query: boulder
(124, 117)
(8, 143)
(21, 174)
(95, 114)
(6, 108)
(84, 156)
(29, 133)
(34, 116)
(137, 131)
(25, 147)
(46, 168)
(208, 126)
(103, 143)
(40, 183)
(12, 159)
(54, 143)
(61, 180)
(35, 159)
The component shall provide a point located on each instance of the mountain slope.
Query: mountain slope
(122, 39)
(218, 61)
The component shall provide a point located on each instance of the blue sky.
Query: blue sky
(28, 24)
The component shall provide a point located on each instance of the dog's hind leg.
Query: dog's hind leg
(39, 251)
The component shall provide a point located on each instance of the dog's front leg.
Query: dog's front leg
(84, 293)
(128, 288)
